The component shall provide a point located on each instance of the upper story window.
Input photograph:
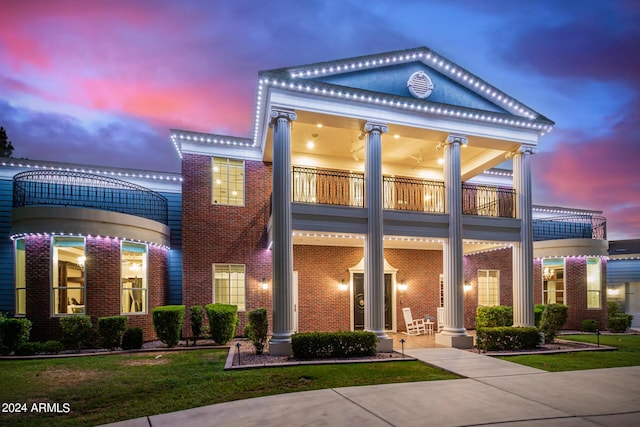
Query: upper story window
(133, 275)
(228, 182)
(553, 281)
(68, 259)
(594, 283)
(21, 284)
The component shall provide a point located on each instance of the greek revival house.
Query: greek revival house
(369, 185)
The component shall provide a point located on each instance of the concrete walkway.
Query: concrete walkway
(495, 392)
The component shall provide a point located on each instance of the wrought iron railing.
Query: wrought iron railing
(486, 200)
(570, 227)
(65, 188)
(413, 194)
(327, 186)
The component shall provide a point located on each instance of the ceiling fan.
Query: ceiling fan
(418, 159)
(355, 151)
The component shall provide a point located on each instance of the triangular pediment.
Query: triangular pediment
(390, 74)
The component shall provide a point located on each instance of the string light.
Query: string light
(116, 172)
(88, 236)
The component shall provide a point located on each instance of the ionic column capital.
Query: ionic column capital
(523, 149)
(453, 139)
(281, 113)
(375, 127)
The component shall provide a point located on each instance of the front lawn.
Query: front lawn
(104, 389)
(628, 354)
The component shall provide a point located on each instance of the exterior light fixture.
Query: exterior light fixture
(402, 286)
(343, 286)
(612, 292)
(467, 286)
(265, 285)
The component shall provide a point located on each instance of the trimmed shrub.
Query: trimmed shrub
(538, 309)
(29, 348)
(491, 317)
(52, 347)
(553, 319)
(77, 331)
(223, 319)
(14, 332)
(110, 330)
(620, 322)
(132, 339)
(257, 328)
(167, 322)
(196, 322)
(318, 345)
(589, 325)
(507, 338)
(613, 308)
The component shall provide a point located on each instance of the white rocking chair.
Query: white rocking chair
(414, 326)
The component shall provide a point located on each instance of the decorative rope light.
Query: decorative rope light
(113, 173)
(88, 236)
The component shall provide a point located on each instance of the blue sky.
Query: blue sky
(102, 82)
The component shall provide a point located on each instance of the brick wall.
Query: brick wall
(102, 285)
(215, 234)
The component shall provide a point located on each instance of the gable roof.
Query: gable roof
(381, 79)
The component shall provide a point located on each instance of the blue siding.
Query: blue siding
(6, 247)
(622, 271)
(175, 254)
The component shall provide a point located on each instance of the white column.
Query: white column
(282, 255)
(453, 334)
(374, 246)
(523, 250)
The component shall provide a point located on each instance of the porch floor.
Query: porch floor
(416, 341)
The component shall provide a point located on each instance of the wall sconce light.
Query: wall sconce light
(402, 286)
(343, 286)
(467, 286)
(265, 285)
(612, 292)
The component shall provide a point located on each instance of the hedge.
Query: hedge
(110, 330)
(491, 317)
(538, 309)
(167, 322)
(318, 345)
(196, 322)
(14, 332)
(589, 325)
(132, 339)
(553, 319)
(620, 322)
(507, 338)
(257, 328)
(77, 331)
(223, 319)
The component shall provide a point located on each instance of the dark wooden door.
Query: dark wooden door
(358, 301)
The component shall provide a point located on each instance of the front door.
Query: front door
(358, 301)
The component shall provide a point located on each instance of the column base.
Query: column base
(385, 345)
(455, 341)
(280, 348)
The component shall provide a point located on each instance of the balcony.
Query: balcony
(77, 189)
(570, 227)
(344, 188)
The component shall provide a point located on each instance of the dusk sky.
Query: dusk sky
(102, 82)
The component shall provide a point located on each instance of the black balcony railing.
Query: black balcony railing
(413, 194)
(65, 188)
(570, 227)
(327, 186)
(486, 200)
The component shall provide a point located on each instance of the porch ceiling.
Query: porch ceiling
(391, 242)
(406, 151)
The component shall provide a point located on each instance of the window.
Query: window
(228, 284)
(228, 181)
(488, 287)
(594, 283)
(553, 281)
(68, 275)
(21, 283)
(133, 277)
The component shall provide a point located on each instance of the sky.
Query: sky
(102, 82)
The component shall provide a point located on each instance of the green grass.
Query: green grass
(628, 354)
(103, 389)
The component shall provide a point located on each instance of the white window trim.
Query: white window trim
(213, 284)
(15, 278)
(487, 284)
(564, 281)
(599, 291)
(52, 297)
(146, 282)
(244, 182)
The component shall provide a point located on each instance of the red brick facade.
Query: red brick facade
(216, 234)
(102, 284)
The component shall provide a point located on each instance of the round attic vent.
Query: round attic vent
(420, 84)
